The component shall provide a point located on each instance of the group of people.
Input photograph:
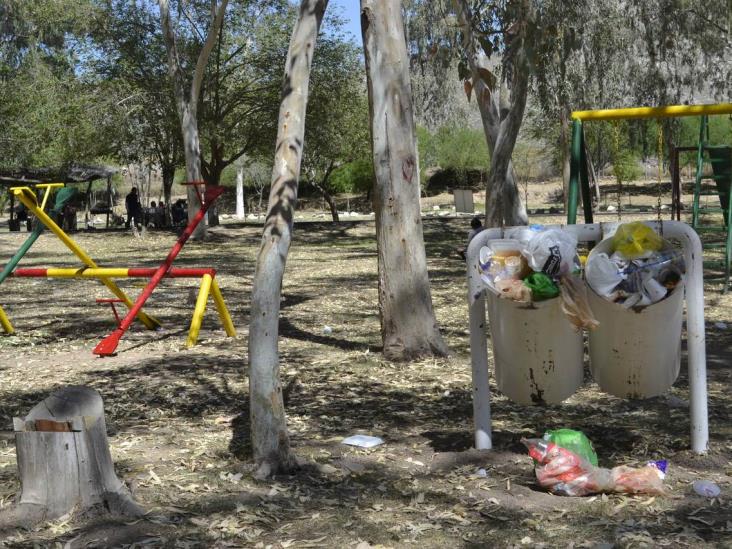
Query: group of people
(154, 215)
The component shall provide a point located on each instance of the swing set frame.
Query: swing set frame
(579, 184)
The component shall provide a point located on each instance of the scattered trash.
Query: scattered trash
(327, 330)
(574, 441)
(362, 441)
(565, 473)
(481, 473)
(720, 325)
(706, 488)
(635, 267)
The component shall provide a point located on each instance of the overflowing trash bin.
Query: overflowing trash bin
(537, 351)
(636, 294)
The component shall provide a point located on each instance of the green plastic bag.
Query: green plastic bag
(542, 287)
(574, 441)
(634, 240)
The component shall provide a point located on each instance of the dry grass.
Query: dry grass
(178, 418)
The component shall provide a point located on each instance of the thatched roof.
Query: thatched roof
(75, 173)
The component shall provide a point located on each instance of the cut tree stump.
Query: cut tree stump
(64, 463)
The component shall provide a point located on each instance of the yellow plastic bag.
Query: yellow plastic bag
(634, 240)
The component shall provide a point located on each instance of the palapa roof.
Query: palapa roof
(74, 173)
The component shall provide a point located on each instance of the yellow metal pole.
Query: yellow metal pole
(222, 310)
(5, 321)
(653, 112)
(100, 272)
(26, 196)
(47, 187)
(199, 311)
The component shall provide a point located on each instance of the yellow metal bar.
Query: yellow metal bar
(99, 272)
(653, 112)
(222, 310)
(26, 196)
(199, 311)
(48, 187)
(5, 321)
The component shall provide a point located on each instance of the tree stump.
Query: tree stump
(64, 462)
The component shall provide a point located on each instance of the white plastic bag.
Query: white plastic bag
(552, 252)
(602, 274)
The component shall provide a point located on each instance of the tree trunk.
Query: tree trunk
(270, 441)
(214, 179)
(64, 462)
(320, 187)
(408, 325)
(507, 195)
(168, 177)
(240, 212)
(187, 105)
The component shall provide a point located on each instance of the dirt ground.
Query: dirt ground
(178, 418)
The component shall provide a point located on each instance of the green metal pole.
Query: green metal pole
(585, 180)
(10, 267)
(574, 172)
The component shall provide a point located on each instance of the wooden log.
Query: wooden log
(64, 462)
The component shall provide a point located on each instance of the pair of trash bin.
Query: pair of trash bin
(539, 356)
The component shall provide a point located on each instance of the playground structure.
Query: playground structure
(209, 286)
(591, 233)
(719, 157)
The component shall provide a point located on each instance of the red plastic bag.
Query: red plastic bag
(566, 474)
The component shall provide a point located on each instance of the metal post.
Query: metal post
(574, 172)
(585, 180)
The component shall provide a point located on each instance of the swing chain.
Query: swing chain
(660, 173)
(615, 154)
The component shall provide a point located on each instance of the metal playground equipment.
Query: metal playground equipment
(209, 286)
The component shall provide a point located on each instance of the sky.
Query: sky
(351, 11)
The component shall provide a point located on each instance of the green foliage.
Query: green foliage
(625, 166)
(455, 148)
(354, 177)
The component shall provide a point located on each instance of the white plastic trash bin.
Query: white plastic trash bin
(635, 353)
(537, 353)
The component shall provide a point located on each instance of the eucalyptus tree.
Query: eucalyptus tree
(270, 439)
(188, 89)
(408, 325)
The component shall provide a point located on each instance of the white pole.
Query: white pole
(479, 343)
(240, 192)
(694, 288)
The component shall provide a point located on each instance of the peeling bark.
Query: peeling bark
(408, 325)
(270, 441)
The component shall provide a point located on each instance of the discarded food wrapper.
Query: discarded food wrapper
(720, 325)
(362, 441)
(706, 488)
(564, 473)
(574, 441)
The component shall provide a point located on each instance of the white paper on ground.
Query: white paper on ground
(362, 441)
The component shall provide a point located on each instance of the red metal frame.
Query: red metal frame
(109, 344)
